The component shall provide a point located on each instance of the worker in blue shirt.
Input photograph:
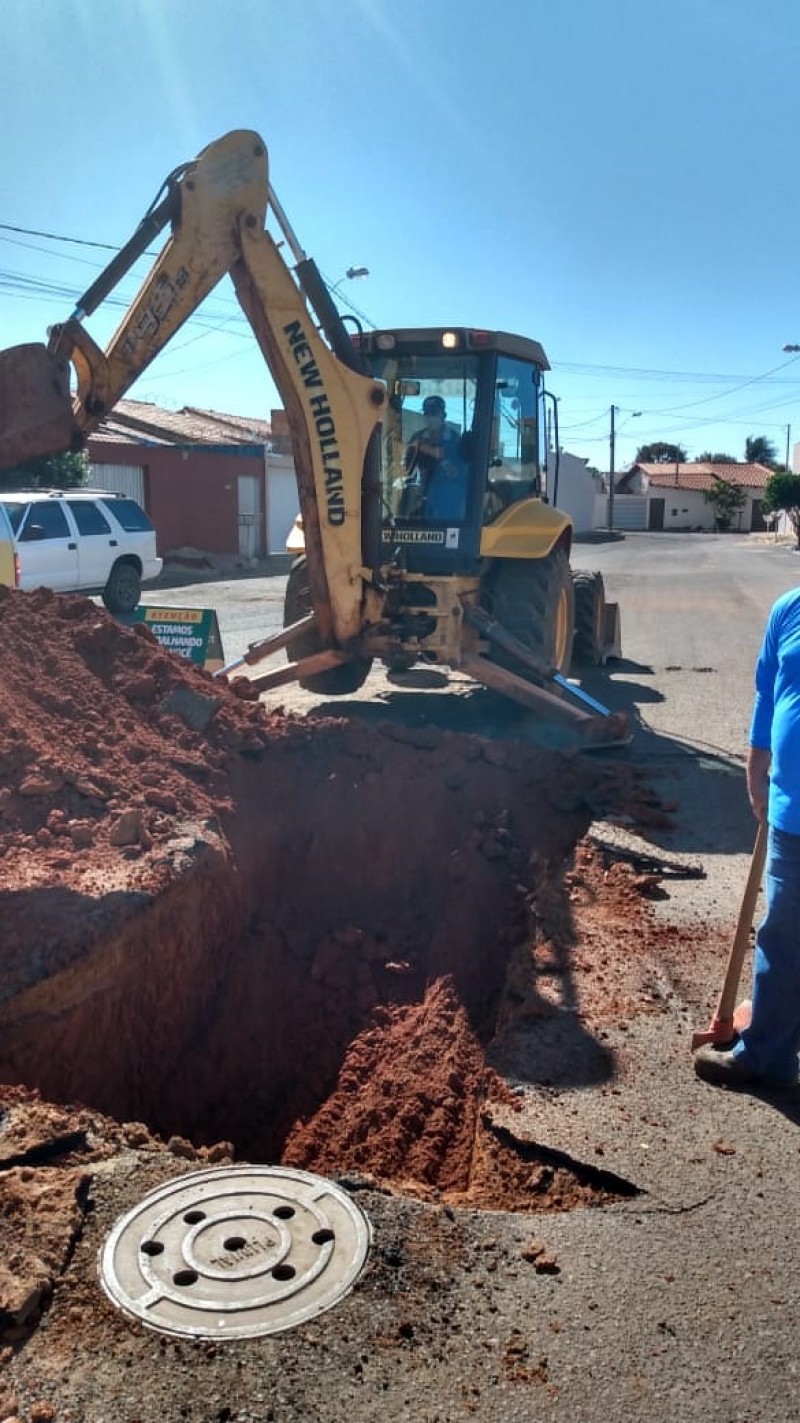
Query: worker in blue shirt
(436, 468)
(767, 1050)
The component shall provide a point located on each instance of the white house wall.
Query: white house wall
(576, 492)
(688, 509)
(684, 508)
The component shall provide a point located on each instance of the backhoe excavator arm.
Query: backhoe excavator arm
(217, 207)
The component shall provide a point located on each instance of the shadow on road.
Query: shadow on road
(786, 1104)
(706, 784)
(703, 786)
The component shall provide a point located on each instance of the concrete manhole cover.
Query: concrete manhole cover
(235, 1252)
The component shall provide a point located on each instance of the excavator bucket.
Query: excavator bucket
(35, 405)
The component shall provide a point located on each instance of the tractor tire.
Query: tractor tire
(337, 681)
(533, 599)
(590, 603)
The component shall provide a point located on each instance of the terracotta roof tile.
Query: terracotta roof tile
(132, 419)
(703, 474)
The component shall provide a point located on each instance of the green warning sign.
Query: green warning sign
(190, 632)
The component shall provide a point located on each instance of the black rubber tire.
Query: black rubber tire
(123, 589)
(590, 602)
(533, 599)
(337, 681)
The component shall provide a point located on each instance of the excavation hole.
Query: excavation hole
(280, 939)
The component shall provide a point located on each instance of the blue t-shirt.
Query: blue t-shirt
(776, 713)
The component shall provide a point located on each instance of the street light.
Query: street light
(353, 274)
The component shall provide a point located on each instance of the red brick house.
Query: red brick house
(217, 483)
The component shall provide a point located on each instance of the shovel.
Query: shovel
(728, 1019)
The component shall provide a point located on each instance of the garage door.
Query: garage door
(282, 502)
(125, 479)
(630, 511)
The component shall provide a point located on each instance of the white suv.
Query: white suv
(83, 540)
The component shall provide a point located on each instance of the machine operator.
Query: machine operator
(437, 474)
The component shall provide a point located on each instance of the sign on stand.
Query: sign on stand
(190, 632)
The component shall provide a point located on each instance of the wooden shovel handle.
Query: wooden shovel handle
(727, 998)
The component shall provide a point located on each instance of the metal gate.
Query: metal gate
(249, 517)
(630, 511)
(127, 479)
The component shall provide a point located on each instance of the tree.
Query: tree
(65, 471)
(726, 499)
(708, 458)
(759, 450)
(782, 491)
(660, 453)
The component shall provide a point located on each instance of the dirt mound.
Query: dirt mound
(285, 933)
(105, 740)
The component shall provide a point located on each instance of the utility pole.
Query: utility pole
(611, 472)
(788, 438)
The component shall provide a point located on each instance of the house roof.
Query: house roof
(700, 475)
(143, 422)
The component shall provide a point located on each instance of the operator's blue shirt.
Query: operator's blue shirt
(776, 712)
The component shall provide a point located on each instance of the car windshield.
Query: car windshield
(15, 512)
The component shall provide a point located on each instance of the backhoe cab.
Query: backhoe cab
(418, 453)
(475, 557)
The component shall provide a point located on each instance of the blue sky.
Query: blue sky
(617, 180)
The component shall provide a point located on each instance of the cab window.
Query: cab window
(130, 515)
(45, 521)
(427, 454)
(514, 455)
(89, 517)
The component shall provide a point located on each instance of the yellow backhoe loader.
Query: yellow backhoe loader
(428, 533)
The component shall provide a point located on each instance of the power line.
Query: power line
(54, 237)
(653, 373)
(110, 247)
(24, 287)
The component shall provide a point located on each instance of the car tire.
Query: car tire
(124, 587)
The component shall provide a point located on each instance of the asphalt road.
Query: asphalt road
(693, 609)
